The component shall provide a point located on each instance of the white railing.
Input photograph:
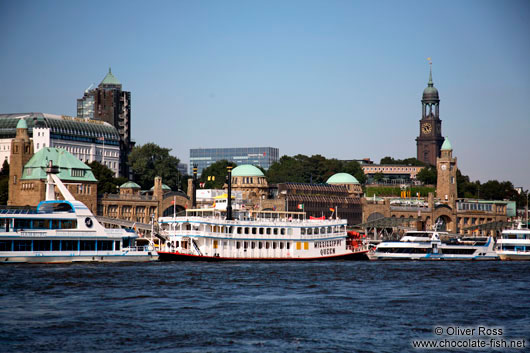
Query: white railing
(201, 233)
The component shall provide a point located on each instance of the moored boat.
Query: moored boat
(62, 231)
(434, 245)
(205, 234)
(514, 244)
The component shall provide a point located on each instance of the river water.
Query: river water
(257, 307)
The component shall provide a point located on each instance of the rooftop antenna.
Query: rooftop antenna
(89, 87)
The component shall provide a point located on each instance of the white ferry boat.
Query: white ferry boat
(205, 234)
(427, 245)
(60, 231)
(514, 244)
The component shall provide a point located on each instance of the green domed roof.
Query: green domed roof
(130, 185)
(430, 92)
(447, 145)
(164, 187)
(342, 178)
(22, 124)
(247, 170)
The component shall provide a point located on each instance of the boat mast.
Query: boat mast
(229, 192)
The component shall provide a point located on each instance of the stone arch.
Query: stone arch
(375, 216)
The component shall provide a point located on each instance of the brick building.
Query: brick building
(27, 173)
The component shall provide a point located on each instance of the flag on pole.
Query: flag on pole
(300, 206)
(332, 209)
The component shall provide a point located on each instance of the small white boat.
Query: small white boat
(61, 231)
(514, 244)
(427, 245)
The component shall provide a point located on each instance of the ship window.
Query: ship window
(316, 231)
(41, 224)
(274, 245)
(282, 231)
(253, 245)
(238, 244)
(309, 231)
(117, 245)
(22, 245)
(69, 245)
(260, 245)
(253, 230)
(245, 244)
(261, 231)
(104, 245)
(69, 224)
(5, 245)
(268, 231)
(239, 230)
(246, 230)
(22, 223)
(88, 245)
(288, 245)
(42, 245)
(267, 245)
(302, 231)
(56, 224)
(281, 245)
(56, 245)
(275, 231)
(330, 230)
(323, 230)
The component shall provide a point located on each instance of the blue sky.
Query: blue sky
(339, 78)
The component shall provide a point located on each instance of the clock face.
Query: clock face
(444, 167)
(426, 128)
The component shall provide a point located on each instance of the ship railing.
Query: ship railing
(203, 233)
(263, 222)
(141, 248)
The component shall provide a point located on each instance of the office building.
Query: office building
(262, 157)
(88, 140)
(109, 103)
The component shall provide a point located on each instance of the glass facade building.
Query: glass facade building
(258, 156)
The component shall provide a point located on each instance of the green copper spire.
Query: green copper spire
(446, 146)
(110, 79)
(430, 84)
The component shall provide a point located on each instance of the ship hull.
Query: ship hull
(176, 256)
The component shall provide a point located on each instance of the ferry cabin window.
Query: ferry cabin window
(239, 230)
(104, 245)
(68, 245)
(21, 223)
(316, 231)
(56, 245)
(5, 245)
(252, 245)
(267, 245)
(42, 245)
(302, 231)
(323, 230)
(275, 231)
(238, 245)
(260, 245)
(282, 231)
(261, 231)
(246, 230)
(268, 231)
(330, 230)
(274, 245)
(245, 244)
(88, 245)
(281, 245)
(22, 245)
(117, 245)
(288, 245)
(253, 230)
(309, 231)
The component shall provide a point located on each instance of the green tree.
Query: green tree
(427, 175)
(107, 183)
(217, 170)
(151, 160)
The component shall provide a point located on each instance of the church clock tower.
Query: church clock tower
(430, 140)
